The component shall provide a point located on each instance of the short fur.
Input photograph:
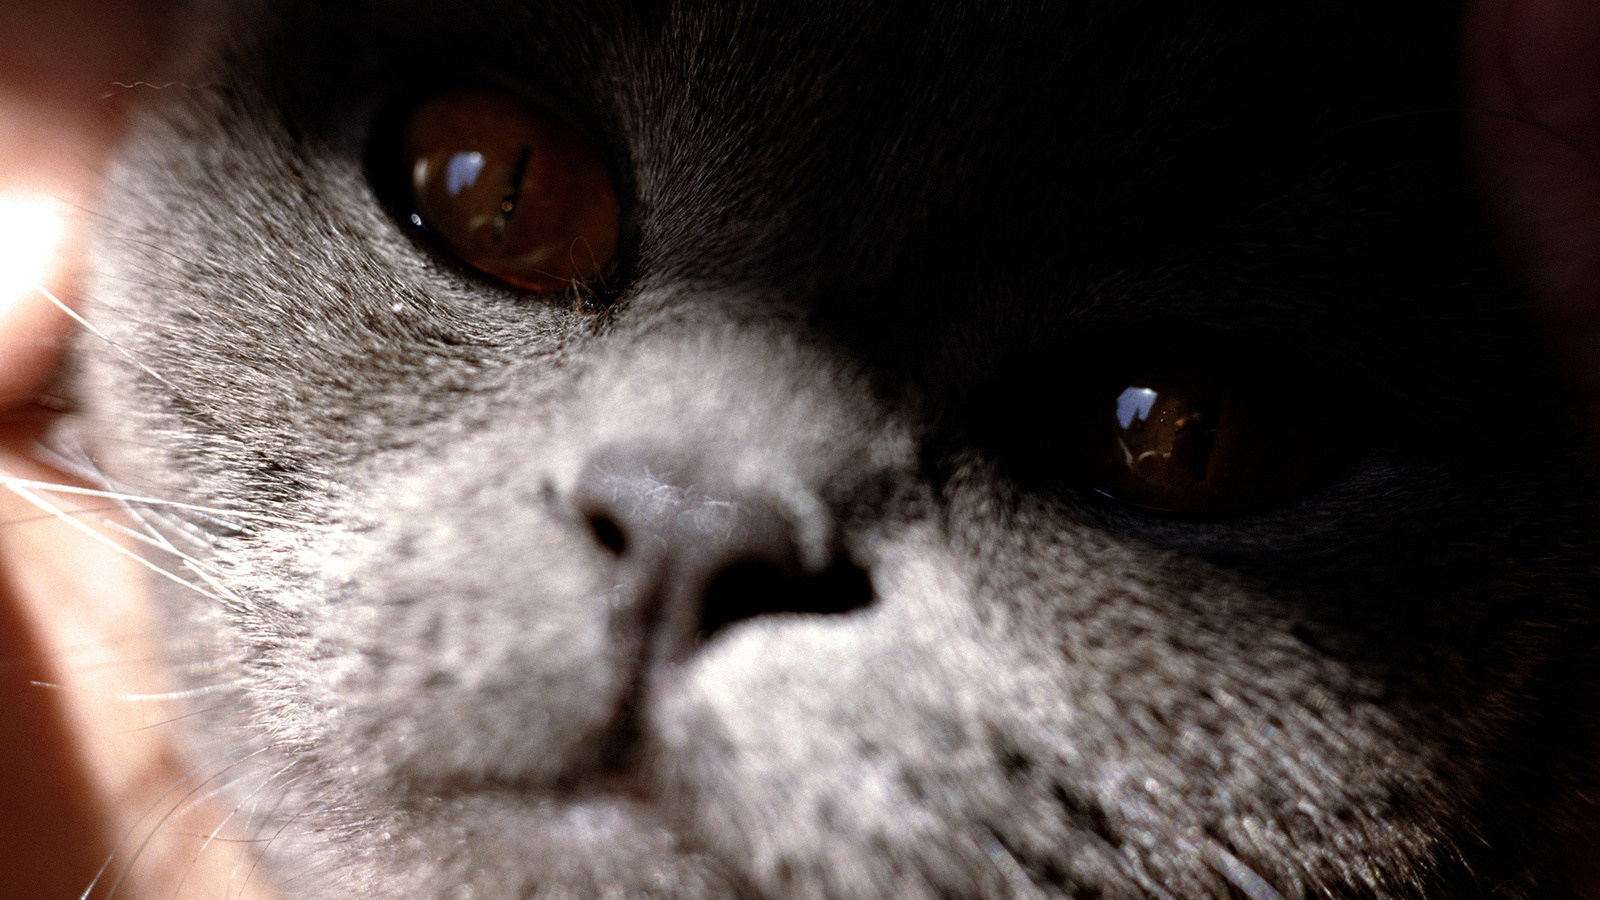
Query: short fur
(871, 251)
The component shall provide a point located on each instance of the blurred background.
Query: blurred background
(87, 776)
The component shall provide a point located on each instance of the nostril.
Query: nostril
(691, 553)
(752, 588)
(608, 534)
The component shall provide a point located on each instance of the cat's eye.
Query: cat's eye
(1199, 443)
(511, 190)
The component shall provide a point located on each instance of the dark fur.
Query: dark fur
(872, 251)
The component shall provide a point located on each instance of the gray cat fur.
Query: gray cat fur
(868, 250)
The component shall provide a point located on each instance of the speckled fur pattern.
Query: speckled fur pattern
(868, 249)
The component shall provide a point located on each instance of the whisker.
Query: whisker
(152, 537)
(153, 85)
(132, 829)
(139, 500)
(71, 457)
(96, 511)
(173, 719)
(73, 460)
(86, 326)
(256, 863)
(29, 495)
(186, 694)
(148, 536)
(186, 803)
(206, 574)
(218, 828)
(1245, 879)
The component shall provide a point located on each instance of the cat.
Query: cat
(742, 449)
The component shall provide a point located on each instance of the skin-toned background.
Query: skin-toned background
(55, 822)
(86, 773)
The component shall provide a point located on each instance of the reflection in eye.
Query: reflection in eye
(511, 190)
(1134, 403)
(1204, 444)
(460, 173)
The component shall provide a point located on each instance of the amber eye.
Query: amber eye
(511, 190)
(1205, 444)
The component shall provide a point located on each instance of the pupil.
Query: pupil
(508, 204)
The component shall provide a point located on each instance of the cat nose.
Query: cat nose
(696, 554)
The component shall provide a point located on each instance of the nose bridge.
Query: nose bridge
(722, 381)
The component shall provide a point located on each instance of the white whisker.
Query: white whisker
(147, 532)
(29, 495)
(207, 574)
(79, 465)
(1241, 876)
(148, 536)
(86, 326)
(223, 514)
(144, 698)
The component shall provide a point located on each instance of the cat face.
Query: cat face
(699, 450)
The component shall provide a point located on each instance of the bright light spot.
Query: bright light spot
(1134, 404)
(462, 171)
(30, 226)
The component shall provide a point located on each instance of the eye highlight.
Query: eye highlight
(510, 189)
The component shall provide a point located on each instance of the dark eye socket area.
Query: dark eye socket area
(508, 188)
